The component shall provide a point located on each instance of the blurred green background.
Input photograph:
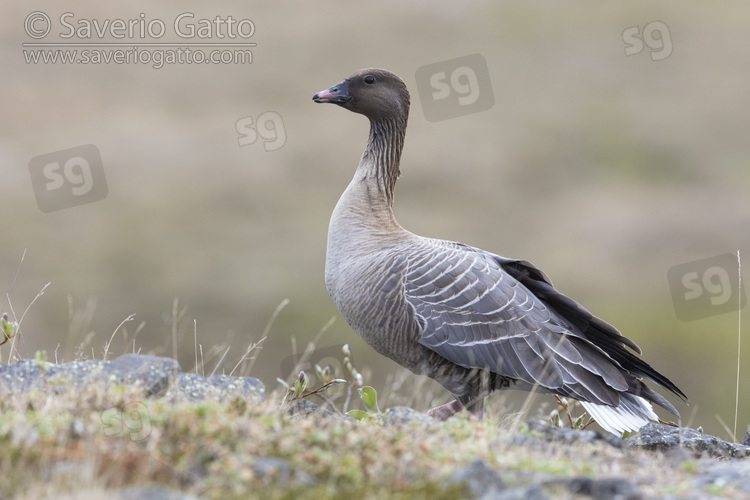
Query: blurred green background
(604, 170)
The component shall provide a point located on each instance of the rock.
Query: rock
(193, 387)
(664, 437)
(550, 433)
(479, 479)
(524, 493)
(151, 373)
(403, 415)
(724, 474)
(155, 375)
(306, 408)
(746, 440)
(604, 489)
(26, 375)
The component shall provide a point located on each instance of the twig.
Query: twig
(219, 363)
(348, 397)
(174, 327)
(566, 407)
(275, 313)
(249, 349)
(20, 321)
(106, 346)
(739, 344)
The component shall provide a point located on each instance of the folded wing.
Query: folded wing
(480, 310)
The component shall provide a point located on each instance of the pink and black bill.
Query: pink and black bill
(338, 94)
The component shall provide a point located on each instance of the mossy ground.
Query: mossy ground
(84, 444)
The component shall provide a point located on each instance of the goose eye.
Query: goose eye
(369, 79)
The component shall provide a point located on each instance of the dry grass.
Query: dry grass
(58, 446)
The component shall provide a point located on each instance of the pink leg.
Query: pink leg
(444, 412)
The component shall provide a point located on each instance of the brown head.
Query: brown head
(376, 93)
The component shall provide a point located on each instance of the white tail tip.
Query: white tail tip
(633, 413)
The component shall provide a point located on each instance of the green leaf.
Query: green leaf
(358, 414)
(579, 422)
(369, 398)
(9, 329)
(555, 419)
(300, 386)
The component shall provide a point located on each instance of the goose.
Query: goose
(470, 319)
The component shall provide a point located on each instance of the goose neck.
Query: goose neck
(382, 155)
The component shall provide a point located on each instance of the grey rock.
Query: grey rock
(151, 373)
(26, 375)
(155, 375)
(551, 433)
(403, 415)
(723, 474)
(604, 489)
(306, 408)
(479, 479)
(746, 440)
(193, 387)
(664, 437)
(534, 492)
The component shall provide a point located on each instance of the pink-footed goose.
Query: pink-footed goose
(472, 320)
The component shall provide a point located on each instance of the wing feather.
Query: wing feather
(479, 310)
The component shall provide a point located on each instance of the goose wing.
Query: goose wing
(480, 310)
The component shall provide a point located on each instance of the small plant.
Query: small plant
(40, 360)
(566, 405)
(298, 390)
(355, 378)
(369, 397)
(9, 329)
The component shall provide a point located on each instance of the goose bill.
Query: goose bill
(338, 94)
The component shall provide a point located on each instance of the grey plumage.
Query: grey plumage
(470, 319)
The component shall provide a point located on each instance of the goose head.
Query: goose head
(376, 93)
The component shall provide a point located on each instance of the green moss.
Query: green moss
(210, 449)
